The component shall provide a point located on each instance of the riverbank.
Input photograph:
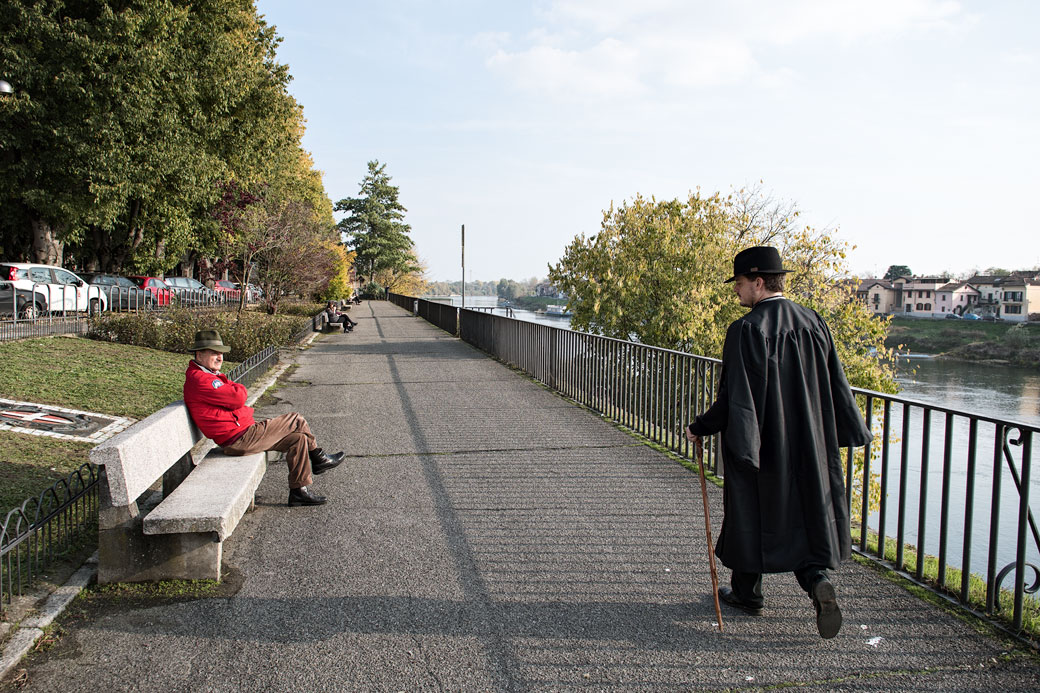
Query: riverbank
(968, 340)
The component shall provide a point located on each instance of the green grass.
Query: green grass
(93, 376)
(968, 339)
(30, 464)
(952, 584)
(79, 374)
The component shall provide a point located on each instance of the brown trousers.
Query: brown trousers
(288, 433)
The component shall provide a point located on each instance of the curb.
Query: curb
(25, 635)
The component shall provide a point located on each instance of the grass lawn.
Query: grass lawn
(968, 339)
(77, 373)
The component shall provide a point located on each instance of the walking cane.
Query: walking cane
(699, 445)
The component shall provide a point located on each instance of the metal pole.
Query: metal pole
(463, 265)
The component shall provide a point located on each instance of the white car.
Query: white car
(65, 291)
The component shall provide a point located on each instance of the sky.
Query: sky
(910, 127)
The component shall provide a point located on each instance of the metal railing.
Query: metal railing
(256, 365)
(924, 473)
(45, 310)
(44, 528)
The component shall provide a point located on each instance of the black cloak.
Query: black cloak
(785, 409)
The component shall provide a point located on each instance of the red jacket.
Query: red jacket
(217, 405)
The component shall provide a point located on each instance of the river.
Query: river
(1004, 392)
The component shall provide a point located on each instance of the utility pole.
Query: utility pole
(463, 265)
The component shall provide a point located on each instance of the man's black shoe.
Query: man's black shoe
(726, 595)
(321, 463)
(304, 496)
(828, 615)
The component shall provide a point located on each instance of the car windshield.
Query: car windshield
(160, 283)
(123, 281)
(102, 279)
(138, 281)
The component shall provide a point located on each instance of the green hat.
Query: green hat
(208, 339)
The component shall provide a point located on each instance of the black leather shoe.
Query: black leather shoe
(727, 596)
(304, 496)
(321, 463)
(828, 615)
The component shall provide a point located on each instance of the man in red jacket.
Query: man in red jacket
(218, 407)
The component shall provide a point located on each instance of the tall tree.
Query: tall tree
(654, 273)
(896, 271)
(375, 228)
(126, 114)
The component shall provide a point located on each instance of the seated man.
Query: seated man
(333, 316)
(218, 407)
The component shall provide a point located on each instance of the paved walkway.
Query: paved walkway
(488, 535)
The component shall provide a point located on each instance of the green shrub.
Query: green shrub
(300, 308)
(174, 330)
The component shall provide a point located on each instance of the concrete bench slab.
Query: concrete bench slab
(136, 458)
(213, 498)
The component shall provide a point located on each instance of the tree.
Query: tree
(409, 280)
(375, 228)
(301, 255)
(126, 114)
(654, 273)
(896, 271)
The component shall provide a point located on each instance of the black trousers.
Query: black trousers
(748, 586)
(343, 319)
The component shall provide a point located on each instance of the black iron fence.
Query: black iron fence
(43, 310)
(941, 495)
(46, 527)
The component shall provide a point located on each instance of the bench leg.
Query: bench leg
(136, 557)
(127, 554)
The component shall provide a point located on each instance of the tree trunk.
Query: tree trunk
(46, 248)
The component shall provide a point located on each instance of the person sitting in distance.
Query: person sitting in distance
(333, 316)
(218, 407)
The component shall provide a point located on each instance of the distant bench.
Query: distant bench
(180, 538)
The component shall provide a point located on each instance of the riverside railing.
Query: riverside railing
(46, 527)
(943, 486)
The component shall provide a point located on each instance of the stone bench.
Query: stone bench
(178, 534)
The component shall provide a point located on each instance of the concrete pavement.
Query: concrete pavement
(488, 535)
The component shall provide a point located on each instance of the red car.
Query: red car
(158, 288)
(226, 289)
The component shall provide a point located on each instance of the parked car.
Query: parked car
(952, 316)
(122, 293)
(65, 291)
(190, 291)
(25, 304)
(157, 287)
(972, 316)
(253, 292)
(227, 290)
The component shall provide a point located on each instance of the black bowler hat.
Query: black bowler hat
(762, 259)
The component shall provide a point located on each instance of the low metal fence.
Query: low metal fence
(57, 310)
(941, 496)
(45, 528)
(256, 365)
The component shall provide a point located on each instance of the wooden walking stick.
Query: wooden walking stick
(699, 449)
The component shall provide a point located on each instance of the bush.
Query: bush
(300, 308)
(174, 330)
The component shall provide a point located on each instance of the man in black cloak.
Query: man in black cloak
(784, 409)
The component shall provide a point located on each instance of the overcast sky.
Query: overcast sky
(911, 126)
